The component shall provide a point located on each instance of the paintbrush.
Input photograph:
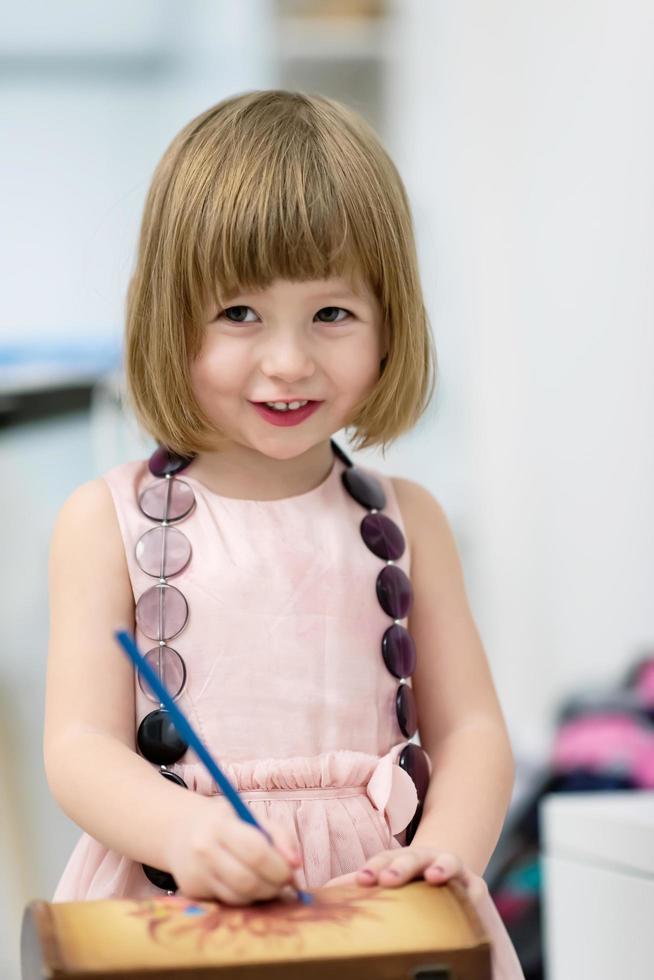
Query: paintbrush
(186, 732)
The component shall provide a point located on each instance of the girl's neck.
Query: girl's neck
(245, 474)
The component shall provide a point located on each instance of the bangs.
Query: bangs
(287, 200)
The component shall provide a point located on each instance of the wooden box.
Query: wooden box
(349, 932)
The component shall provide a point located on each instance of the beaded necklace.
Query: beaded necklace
(162, 612)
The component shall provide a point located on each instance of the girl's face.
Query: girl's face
(319, 340)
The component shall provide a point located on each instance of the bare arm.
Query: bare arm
(92, 766)
(462, 727)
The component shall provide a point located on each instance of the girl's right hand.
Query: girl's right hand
(218, 855)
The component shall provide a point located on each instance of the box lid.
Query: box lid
(610, 829)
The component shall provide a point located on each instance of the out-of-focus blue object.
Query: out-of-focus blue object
(33, 366)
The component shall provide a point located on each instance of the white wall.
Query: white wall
(91, 94)
(526, 135)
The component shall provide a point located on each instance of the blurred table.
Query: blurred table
(598, 867)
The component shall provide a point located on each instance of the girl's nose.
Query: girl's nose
(287, 358)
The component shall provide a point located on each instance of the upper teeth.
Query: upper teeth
(284, 406)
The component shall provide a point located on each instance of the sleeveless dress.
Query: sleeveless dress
(286, 684)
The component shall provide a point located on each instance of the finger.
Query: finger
(285, 843)
(240, 879)
(445, 867)
(369, 872)
(403, 868)
(392, 868)
(283, 840)
(248, 845)
(474, 887)
(347, 879)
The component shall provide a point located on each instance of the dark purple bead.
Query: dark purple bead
(164, 462)
(382, 536)
(399, 651)
(161, 879)
(415, 761)
(158, 740)
(394, 591)
(364, 487)
(407, 713)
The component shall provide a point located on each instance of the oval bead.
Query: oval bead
(394, 591)
(413, 825)
(163, 551)
(382, 536)
(336, 449)
(161, 879)
(173, 777)
(364, 487)
(158, 739)
(169, 668)
(164, 462)
(407, 713)
(399, 651)
(167, 500)
(413, 759)
(161, 612)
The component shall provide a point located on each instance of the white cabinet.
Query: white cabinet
(598, 874)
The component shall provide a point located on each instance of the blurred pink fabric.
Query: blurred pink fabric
(284, 629)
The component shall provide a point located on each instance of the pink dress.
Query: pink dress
(284, 629)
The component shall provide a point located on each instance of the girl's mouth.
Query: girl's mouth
(290, 416)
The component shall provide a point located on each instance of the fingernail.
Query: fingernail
(393, 872)
(438, 869)
(367, 873)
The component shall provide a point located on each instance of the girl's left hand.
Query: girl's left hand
(397, 867)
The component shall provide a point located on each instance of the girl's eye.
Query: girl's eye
(331, 310)
(240, 312)
(237, 314)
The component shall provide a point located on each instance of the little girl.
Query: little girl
(275, 301)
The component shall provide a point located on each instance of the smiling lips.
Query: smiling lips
(289, 416)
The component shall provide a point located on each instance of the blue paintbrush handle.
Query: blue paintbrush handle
(185, 731)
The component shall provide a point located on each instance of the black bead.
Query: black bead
(382, 536)
(160, 878)
(173, 777)
(158, 740)
(364, 487)
(164, 462)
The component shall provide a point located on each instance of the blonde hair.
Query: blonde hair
(265, 185)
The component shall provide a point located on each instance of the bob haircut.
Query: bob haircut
(264, 185)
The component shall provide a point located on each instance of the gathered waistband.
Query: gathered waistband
(334, 775)
(314, 792)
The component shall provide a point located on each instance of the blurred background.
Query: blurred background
(525, 135)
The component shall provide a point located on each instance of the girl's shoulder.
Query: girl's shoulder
(87, 557)
(90, 517)
(423, 516)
